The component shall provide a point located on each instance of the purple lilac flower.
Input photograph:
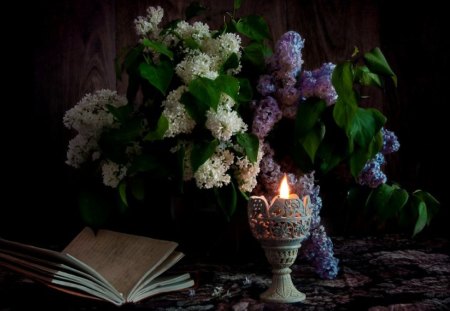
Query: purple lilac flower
(319, 250)
(306, 186)
(318, 83)
(288, 95)
(270, 173)
(390, 142)
(267, 113)
(371, 175)
(265, 85)
(286, 61)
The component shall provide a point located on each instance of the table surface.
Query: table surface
(376, 273)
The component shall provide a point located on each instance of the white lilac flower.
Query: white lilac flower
(113, 173)
(176, 114)
(197, 31)
(213, 173)
(247, 171)
(224, 122)
(147, 26)
(195, 65)
(80, 149)
(221, 48)
(91, 116)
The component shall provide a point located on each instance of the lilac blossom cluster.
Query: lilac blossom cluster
(372, 175)
(317, 83)
(318, 249)
(282, 90)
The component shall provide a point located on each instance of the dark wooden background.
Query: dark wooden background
(69, 46)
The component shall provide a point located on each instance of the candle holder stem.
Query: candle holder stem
(281, 258)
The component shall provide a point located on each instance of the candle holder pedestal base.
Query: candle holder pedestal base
(281, 256)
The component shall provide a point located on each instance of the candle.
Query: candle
(285, 204)
(282, 217)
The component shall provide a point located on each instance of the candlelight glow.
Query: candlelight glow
(284, 188)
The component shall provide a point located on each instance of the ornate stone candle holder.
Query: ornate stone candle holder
(280, 228)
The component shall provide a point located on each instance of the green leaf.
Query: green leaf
(245, 93)
(232, 62)
(127, 132)
(346, 105)
(237, 4)
(159, 75)
(137, 188)
(387, 200)
(122, 113)
(343, 114)
(256, 53)
(361, 155)
(379, 197)
(250, 143)
(191, 43)
(228, 85)
(158, 47)
(308, 114)
(170, 27)
(332, 150)
(123, 192)
(365, 124)
(143, 163)
(422, 217)
(365, 77)
(377, 63)
(254, 27)
(431, 202)
(194, 9)
(196, 110)
(398, 200)
(201, 152)
(205, 92)
(311, 140)
(342, 79)
(226, 197)
(161, 128)
(357, 160)
(133, 57)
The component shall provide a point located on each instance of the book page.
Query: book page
(165, 284)
(146, 279)
(50, 275)
(60, 284)
(77, 270)
(120, 258)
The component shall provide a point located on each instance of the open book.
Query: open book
(106, 265)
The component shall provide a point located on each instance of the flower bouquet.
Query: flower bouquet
(205, 114)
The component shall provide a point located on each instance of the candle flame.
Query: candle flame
(284, 188)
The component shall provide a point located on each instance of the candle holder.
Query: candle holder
(280, 228)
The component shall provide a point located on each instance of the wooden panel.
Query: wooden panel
(72, 52)
(332, 29)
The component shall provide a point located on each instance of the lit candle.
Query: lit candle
(285, 205)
